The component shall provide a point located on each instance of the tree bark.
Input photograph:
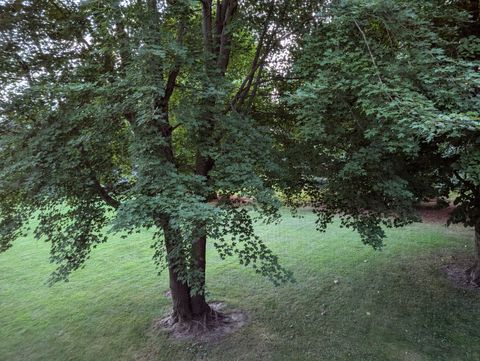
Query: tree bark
(182, 310)
(198, 302)
(473, 273)
(180, 291)
(199, 245)
(185, 306)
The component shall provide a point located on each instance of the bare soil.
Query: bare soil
(431, 213)
(215, 328)
(455, 271)
(457, 275)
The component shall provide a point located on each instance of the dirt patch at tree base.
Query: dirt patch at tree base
(456, 273)
(222, 323)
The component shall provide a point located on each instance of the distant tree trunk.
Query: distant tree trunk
(473, 273)
(473, 7)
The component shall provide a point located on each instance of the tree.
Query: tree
(123, 115)
(390, 112)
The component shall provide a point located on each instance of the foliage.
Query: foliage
(118, 115)
(388, 102)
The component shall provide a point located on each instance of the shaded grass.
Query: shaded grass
(391, 305)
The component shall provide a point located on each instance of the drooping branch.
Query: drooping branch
(377, 70)
(104, 194)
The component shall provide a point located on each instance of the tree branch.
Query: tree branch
(172, 76)
(467, 183)
(371, 56)
(123, 39)
(224, 18)
(25, 68)
(99, 189)
(257, 60)
(207, 28)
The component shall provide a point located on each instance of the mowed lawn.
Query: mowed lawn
(396, 304)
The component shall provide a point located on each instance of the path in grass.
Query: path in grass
(391, 305)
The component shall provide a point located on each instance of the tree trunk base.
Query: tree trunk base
(197, 323)
(211, 325)
(473, 274)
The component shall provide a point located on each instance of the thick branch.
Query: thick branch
(99, 189)
(245, 87)
(475, 190)
(258, 59)
(172, 76)
(104, 194)
(224, 18)
(207, 28)
(256, 84)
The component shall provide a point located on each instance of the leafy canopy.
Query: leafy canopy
(111, 108)
(390, 100)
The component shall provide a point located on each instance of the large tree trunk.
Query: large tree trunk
(182, 310)
(473, 273)
(185, 306)
(217, 53)
(198, 302)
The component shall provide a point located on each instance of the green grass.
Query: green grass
(391, 305)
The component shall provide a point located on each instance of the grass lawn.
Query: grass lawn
(391, 305)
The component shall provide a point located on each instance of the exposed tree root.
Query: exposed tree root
(210, 326)
(461, 278)
(473, 274)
